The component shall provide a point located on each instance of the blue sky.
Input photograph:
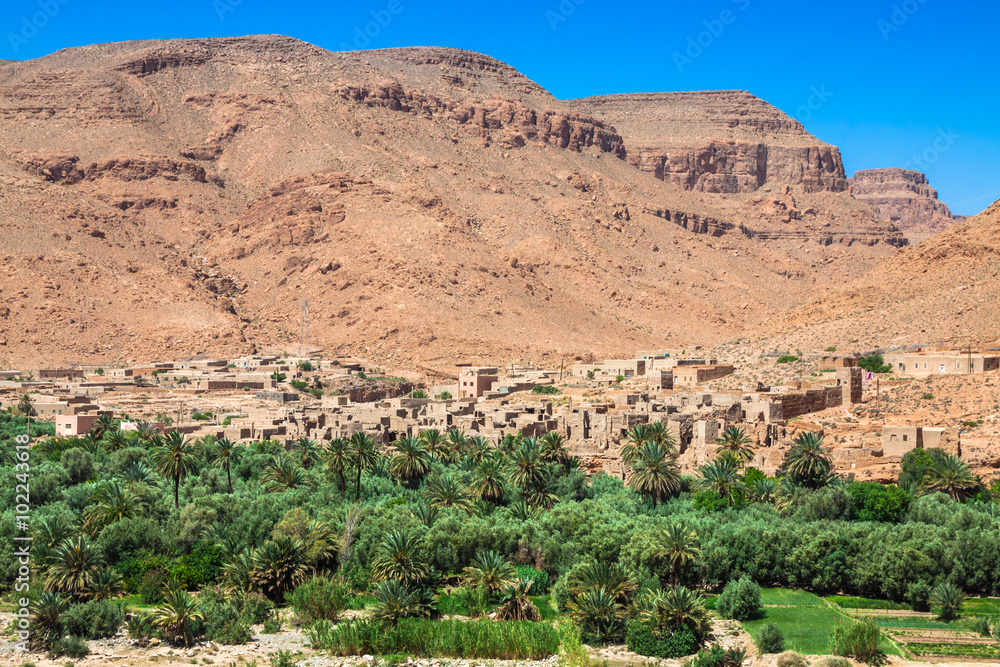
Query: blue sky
(893, 83)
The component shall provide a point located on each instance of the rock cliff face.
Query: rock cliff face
(904, 198)
(721, 141)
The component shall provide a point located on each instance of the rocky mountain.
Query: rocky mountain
(944, 290)
(904, 198)
(179, 197)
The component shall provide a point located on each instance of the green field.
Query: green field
(981, 606)
(916, 623)
(806, 628)
(789, 597)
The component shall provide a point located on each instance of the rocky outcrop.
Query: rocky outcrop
(905, 198)
(720, 141)
(66, 170)
(515, 120)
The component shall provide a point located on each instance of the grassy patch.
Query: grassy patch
(913, 623)
(806, 628)
(981, 606)
(850, 602)
(545, 607)
(789, 597)
(962, 650)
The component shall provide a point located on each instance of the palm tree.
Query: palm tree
(114, 440)
(950, 474)
(425, 514)
(75, 563)
(597, 611)
(222, 453)
(111, 502)
(175, 458)
(46, 614)
(281, 474)
(949, 598)
(491, 570)
(434, 443)
(679, 545)
(457, 442)
(735, 440)
(522, 511)
(394, 600)
(524, 467)
(634, 440)
(364, 453)
(488, 480)
(410, 461)
(673, 608)
(104, 425)
(237, 573)
(654, 471)
(479, 448)
(722, 476)
(25, 405)
(515, 604)
(808, 461)
(177, 615)
(309, 452)
(107, 584)
(135, 473)
(338, 459)
(279, 566)
(400, 558)
(89, 443)
(657, 432)
(610, 577)
(763, 491)
(446, 491)
(146, 430)
(553, 448)
(540, 493)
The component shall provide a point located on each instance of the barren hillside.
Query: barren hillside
(166, 198)
(945, 289)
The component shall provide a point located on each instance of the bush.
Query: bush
(70, 646)
(710, 501)
(831, 661)
(858, 640)
(791, 659)
(78, 463)
(787, 358)
(544, 389)
(502, 640)
(874, 363)
(141, 628)
(272, 626)
(740, 600)
(540, 579)
(223, 623)
(716, 656)
(919, 594)
(643, 639)
(875, 502)
(151, 587)
(770, 639)
(96, 619)
(949, 598)
(320, 597)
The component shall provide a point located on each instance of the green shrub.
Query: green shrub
(949, 599)
(770, 639)
(97, 619)
(918, 594)
(874, 363)
(503, 640)
(78, 464)
(544, 389)
(858, 640)
(876, 502)
(141, 628)
(222, 621)
(642, 638)
(740, 600)
(710, 501)
(418, 393)
(540, 579)
(473, 601)
(283, 658)
(787, 358)
(70, 646)
(320, 597)
(151, 587)
(716, 656)
(272, 626)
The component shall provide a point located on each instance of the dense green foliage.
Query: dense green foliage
(740, 600)
(645, 639)
(874, 363)
(859, 640)
(769, 639)
(323, 524)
